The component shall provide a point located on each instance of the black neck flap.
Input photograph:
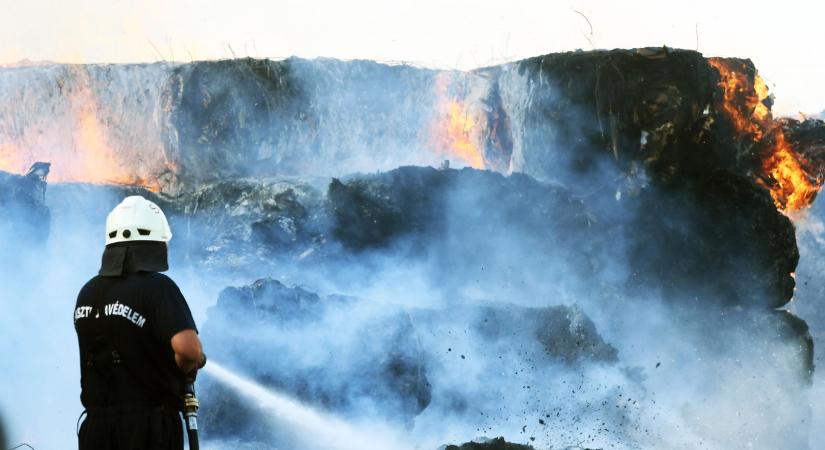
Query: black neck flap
(129, 257)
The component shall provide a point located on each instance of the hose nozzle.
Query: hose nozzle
(190, 414)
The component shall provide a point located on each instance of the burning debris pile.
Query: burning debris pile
(681, 116)
(673, 112)
(793, 178)
(650, 188)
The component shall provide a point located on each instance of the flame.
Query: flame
(459, 131)
(790, 186)
(11, 158)
(455, 132)
(743, 102)
(77, 140)
(761, 111)
(97, 162)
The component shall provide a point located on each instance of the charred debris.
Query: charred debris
(658, 161)
(26, 196)
(492, 444)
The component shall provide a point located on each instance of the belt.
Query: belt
(111, 411)
(127, 408)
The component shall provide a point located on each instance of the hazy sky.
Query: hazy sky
(783, 38)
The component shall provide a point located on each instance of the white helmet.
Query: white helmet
(137, 219)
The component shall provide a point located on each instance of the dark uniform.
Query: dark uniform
(131, 385)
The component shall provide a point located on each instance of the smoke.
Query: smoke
(168, 126)
(478, 264)
(97, 124)
(808, 303)
(685, 375)
(42, 271)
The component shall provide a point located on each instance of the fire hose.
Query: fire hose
(190, 407)
(190, 414)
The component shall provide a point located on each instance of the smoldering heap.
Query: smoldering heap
(630, 181)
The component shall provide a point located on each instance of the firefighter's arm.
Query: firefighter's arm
(188, 351)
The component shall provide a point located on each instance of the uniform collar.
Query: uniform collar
(129, 257)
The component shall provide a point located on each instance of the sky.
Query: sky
(781, 37)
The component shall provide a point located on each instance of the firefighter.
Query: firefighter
(138, 341)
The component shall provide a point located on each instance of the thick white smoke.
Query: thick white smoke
(671, 385)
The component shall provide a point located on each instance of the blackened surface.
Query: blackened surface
(25, 219)
(223, 112)
(721, 243)
(373, 211)
(601, 101)
(492, 444)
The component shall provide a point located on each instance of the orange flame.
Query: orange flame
(11, 158)
(459, 135)
(791, 187)
(742, 101)
(97, 162)
(76, 141)
(761, 111)
(455, 133)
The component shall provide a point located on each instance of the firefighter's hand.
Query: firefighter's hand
(191, 376)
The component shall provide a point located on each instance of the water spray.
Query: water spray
(326, 430)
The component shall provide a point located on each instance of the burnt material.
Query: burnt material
(390, 370)
(808, 137)
(716, 241)
(627, 105)
(372, 212)
(243, 223)
(388, 374)
(560, 334)
(722, 243)
(492, 444)
(25, 218)
(254, 117)
(221, 108)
